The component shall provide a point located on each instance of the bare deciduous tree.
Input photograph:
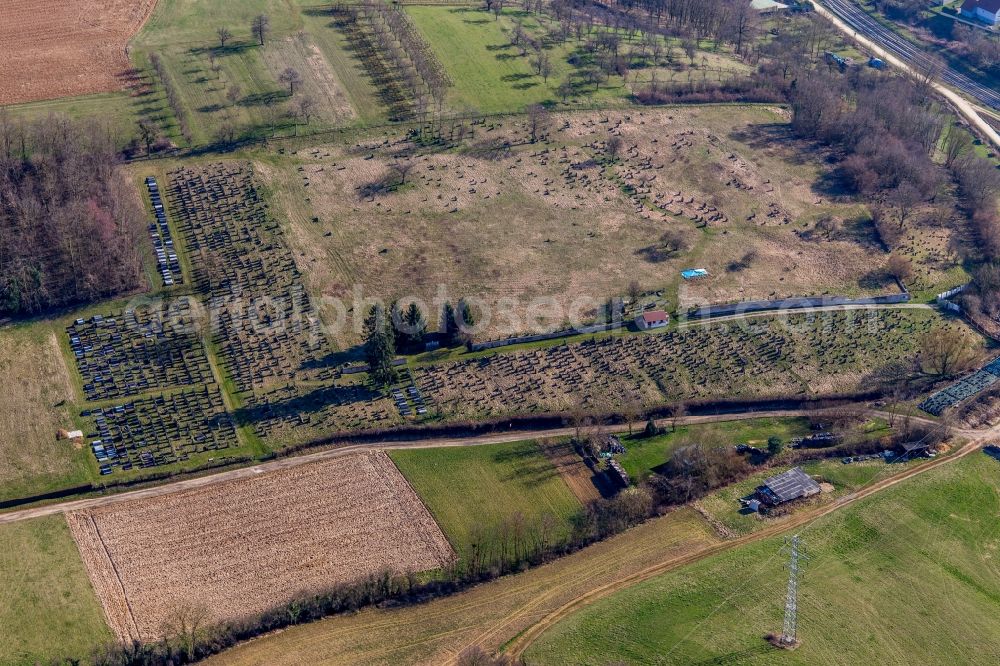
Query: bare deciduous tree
(947, 352)
(539, 121)
(614, 146)
(899, 267)
(304, 107)
(957, 143)
(402, 168)
(291, 78)
(224, 36)
(260, 28)
(186, 624)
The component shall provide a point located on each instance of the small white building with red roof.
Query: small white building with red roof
(652, 319)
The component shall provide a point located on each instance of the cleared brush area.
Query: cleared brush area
(492, 214)
(581, 479)
(488, 615)
(905, 576)
(49, 612)
(320, 84)
(232, 550)
(36, 401)
(494, 502)
(233, 90)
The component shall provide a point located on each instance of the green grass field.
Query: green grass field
(724, 504)
(38, 399)
(237, 85)
(488, 73)
(191, 22)
(473, 489)
(907, 576)
(49, 611)
(643, 454)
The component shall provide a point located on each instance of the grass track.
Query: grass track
(486, 615)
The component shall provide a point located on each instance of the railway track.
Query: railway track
(859, 21)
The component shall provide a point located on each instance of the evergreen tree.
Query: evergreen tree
(468, 319)
(416, 327)
(396, 322)
(449, 327)
(464, 321)
(380, 347)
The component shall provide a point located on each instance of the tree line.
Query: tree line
(406, 59)
(70, 222)
(694, 469)
(902, 151)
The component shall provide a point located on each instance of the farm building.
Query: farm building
(987, 11)
(791, 485)
(911, 449)
(653, 319)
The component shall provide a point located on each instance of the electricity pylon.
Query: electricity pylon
(788, 633)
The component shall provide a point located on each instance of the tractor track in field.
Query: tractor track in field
(516, 647)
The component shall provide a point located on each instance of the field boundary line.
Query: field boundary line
(90, 544)
(118, 577)
(335, 451)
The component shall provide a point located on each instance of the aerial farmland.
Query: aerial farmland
(413, 332)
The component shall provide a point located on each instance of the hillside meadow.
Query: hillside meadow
(907, 575)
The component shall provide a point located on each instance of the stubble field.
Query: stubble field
(236, 549)
(487, 615)
(52, 49)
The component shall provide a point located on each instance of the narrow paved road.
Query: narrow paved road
(423, 443)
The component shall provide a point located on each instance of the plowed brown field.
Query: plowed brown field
(235, 549)
(60, 48)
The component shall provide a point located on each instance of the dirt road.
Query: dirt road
(337, 451)
(519, 644)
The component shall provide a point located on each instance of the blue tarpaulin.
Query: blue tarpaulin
(693, 273)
